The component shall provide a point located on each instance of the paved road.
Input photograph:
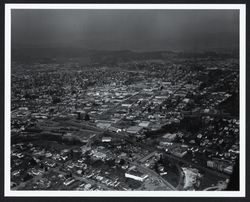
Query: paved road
(211, 188)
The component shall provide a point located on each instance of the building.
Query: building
(169, 137)
(179, 151)
(228, 169)
(134, 129)
(126, 105)
(134, 173)
(80, 114)
(76, 153)
(144, 124)
(106, 139)
(220, 165)
(210, 164)
(69, 181)
(85, 148)
(98, 154)
(103, 125)
(154, 153)
(114, 129)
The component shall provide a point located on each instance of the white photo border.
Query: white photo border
(7, 130)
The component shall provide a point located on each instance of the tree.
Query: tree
(122, 162)
(56, 100)
(87, 118)
(27, 177)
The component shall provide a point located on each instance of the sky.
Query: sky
(138, 30)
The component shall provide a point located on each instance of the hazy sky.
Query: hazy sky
(145, 30)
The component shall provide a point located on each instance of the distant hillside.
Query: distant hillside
(102, 56)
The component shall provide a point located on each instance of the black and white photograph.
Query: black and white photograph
(135, 100)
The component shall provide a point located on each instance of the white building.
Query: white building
(106, 139)
(135, 174)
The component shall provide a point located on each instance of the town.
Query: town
(134, 125)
